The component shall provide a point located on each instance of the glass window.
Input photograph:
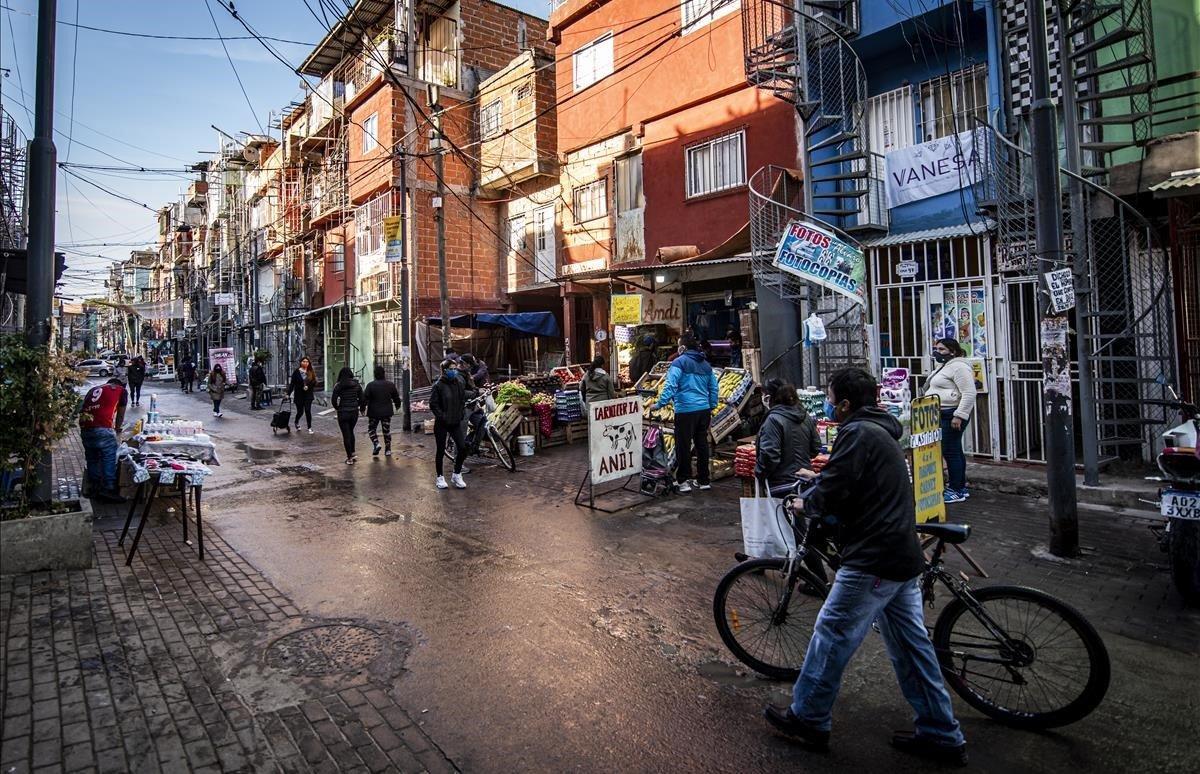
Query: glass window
(948, 102)
(629, 183)
(337, 258)
(716, 165)
(593, 61)
(516, 233)
(591, 200)
(370, 133)
(489, 119)
(697, 13)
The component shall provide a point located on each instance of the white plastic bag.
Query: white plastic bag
(765, 531)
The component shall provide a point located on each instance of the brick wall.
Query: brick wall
(369, 172)
(490, 35)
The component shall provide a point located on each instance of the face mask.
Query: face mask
(766, 401)
(830, 410)
(451, 372)
(942, 357)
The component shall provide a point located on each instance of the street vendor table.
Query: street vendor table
(156, 479)
(203, 450)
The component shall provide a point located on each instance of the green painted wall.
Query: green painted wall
(362, 346)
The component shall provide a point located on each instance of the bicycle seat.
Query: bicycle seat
(950, 533)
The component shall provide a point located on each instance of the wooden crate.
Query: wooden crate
(506, 419)
(557, 437)
(577, 432)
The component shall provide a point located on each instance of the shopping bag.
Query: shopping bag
(765, 531)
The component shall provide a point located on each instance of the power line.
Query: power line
(108, 191)
(233, 67)
(12, 35)
(152, 36)
(74, 69)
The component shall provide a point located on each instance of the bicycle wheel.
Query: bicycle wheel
(1050, 669)
(754, 624)
(503, 453)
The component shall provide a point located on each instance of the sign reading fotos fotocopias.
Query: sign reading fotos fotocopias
(926, 443)
(816, 254)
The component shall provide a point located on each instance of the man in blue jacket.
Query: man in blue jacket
(692, 386)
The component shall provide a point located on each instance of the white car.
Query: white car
(94, 367)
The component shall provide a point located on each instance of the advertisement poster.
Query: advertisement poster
(931, 168)
(1061, 285)
(979, 338)
(626, 309)
(614, 439)
(223, 356)
(815, 254)
(391, 238)
(926, 442)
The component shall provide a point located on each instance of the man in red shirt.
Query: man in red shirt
(102, 415)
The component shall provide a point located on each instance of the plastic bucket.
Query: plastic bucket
(525, 445)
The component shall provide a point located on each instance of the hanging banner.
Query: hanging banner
(223, 356)
(817, 255)
(931, 168)
(626, 309)
(926, 442)
(391, 238)
(615, 439)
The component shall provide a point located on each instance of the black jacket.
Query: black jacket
(257, 375)
(380, 398)
(297, 387)
(136, 374)
(643, 360)
(448, 400)
(865, 487)
(346, 397)
(787, 442)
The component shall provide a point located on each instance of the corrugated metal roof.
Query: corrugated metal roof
(1177, 184)
(345, 36)
(931, 234)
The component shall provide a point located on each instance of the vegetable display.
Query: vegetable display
(514, 393)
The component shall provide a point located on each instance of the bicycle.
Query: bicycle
(996, 644)
(480, 428)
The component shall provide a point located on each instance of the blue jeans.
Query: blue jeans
(100, 453)
(952, 451)
(855, 601)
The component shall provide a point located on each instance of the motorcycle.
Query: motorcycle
(1179, 498)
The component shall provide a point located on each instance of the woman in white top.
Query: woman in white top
(953, 381)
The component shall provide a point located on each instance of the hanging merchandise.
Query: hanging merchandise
(814, 330)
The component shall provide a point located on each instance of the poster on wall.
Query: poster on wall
(979, 338)
(815, 254)
(614, 439)
(932, 168)
(223, 356)
(626, 309)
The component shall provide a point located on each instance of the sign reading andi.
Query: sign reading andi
(931, 168)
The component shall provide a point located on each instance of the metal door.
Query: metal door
(543, 244)
(1021, 365)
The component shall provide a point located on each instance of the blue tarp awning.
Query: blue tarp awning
(530, 323)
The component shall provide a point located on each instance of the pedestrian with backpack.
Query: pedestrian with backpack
(346, 399)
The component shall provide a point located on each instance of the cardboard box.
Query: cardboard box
(748, 319)
(752, 362)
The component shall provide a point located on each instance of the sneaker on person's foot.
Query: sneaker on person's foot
(349, 460)
(375, 451)
(683, 487)
(387, 453)
(924, 747)
(786, 723)
(458, 482)
(953, 496)
(965, 494)
(441, 483)
(701, 487)
(310, 430)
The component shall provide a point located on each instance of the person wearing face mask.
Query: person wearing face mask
(864, 492)
(787, 440)
(953, 381)
(448, 402)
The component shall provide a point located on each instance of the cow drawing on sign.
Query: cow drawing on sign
(622, 436)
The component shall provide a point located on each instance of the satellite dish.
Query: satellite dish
(250, 154)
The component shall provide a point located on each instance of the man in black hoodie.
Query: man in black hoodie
(865, 491)
(380, 400)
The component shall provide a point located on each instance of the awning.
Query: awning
(344, 37)
(530, 323)
(977, 228)
(1185, 183)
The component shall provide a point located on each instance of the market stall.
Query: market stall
(504, 340)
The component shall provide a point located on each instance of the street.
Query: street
(521, 633)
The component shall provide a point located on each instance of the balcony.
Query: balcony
(389, 48)
(511, 104)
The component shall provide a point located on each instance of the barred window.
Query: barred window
(489, 119)
(368, 224)
(948, 102)
(591, 200)
(716, 165)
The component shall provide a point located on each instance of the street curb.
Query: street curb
(1117, 492)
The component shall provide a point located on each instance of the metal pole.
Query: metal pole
(405, 320)
(439, 213)
(1056, 361)
(1082, 245)
(812, 365)
(42, 159)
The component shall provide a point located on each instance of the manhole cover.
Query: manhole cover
(325, 650)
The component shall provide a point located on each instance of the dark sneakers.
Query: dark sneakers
(795, 729)
(924, 747)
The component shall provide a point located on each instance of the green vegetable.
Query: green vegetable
(513, 392)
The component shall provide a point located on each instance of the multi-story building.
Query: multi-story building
(13, 217)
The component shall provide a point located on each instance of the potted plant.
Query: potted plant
(38, 408)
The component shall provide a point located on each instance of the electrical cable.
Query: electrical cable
(233, 67)
(12, 36)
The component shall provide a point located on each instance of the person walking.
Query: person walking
(380, 401)
(953, 381)
(101, 417)
(643, 360)
(137, 377)
(301, 387)
(692, 386)
(217, 382)
(787, 440)
(597, 384)
(187, 374)
(448, 402)
(258, 382)
(347, 398)
(864, 490)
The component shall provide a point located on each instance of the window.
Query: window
(337, 258)
(697, 13)
(368, 225)
(716, 165)
(370, 133)
(489, 119)
(523, 92)
(890, 119)
(516, 234)
(629, 183)
(591, 200)
(593, 61)
(543, 244)
(948, 102)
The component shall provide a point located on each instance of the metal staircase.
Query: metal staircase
(337, 340)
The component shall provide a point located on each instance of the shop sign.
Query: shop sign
(926, 443)
(662, 308)
(614, 439)
(932, 168)
(391, 237)
(223, 356)
(907, 269)
(222, 299)
(1061, 286)
(583, 267)
(817, 255)
(626, 309)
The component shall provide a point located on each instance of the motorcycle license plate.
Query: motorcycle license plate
(1181, 505)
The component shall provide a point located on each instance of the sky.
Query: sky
(148, 103)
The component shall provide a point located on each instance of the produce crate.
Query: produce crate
(724, 423)
(577, 432)
(557, 437)
(506, 419)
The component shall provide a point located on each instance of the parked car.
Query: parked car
(94, 367)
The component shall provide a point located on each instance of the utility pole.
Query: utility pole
(437, 141)
(1056, 360)
(42, 159)
(405, 318)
